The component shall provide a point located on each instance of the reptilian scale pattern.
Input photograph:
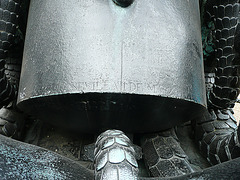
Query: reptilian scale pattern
(216, 132)
(217, 136)
(165, 157)
(226, 88)
(9, 10)
(10, 66)
(13, 70)
(115, 157)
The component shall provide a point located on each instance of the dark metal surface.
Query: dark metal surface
(9, 10)
(94, 65)
(23, 161)
(227, 85)
(224, 171)
(123, 3)
(164, 156)
(217, 131)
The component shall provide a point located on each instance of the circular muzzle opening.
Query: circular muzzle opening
(123, 3)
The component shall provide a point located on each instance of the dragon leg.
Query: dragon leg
(9, 10)
(216, 132)
(164, 156)
(11, 118)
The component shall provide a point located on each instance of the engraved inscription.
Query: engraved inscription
(124, 87)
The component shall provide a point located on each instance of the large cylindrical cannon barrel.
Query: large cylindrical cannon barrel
(93, 65)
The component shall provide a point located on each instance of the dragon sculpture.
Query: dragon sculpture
(216, 132)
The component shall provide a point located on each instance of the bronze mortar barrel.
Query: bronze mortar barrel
(92, 65)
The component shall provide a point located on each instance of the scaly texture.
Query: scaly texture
(217, 136)
(115, 157)
(164, 156)
(226, 88)
(216, 132)
(9, 10)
